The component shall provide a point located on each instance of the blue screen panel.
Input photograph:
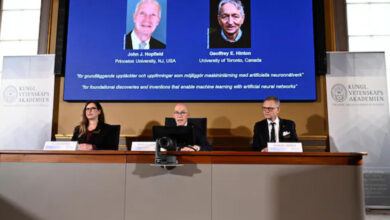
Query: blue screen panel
(278, 58)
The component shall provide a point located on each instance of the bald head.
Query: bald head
(181, 114)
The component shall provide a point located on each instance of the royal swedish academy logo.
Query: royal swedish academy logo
(339, 93)
(10, 94)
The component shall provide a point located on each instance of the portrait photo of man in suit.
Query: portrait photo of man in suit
(272, 128)
(231, 32)
(146, 18)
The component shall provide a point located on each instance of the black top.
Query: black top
(217, 41)
(200, 138)
(261, 133)
(104, 137)
(154, 44)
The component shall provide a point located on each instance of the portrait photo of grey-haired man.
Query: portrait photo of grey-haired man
(229, 25)
(145, 19)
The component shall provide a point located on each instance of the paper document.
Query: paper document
(144, 146)
(60, 145)
(285, 147)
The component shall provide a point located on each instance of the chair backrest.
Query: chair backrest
(116, 130)
(199, 122)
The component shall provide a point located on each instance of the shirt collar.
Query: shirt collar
(135, 41)
(235, 40)
(276, 121)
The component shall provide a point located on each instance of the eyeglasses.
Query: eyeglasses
(269, 108)
(90, 109)
(180, 113)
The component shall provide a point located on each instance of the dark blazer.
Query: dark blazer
(200, 138)
(154, 44)
(261, 133)
(104, 137)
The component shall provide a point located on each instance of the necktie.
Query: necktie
(142, 45)
(273, 139)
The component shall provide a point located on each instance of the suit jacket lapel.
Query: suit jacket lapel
(129, 43)
(267, 131)
(281, 129)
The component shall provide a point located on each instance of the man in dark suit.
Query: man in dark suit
(146, 18)
(272, 128)
(181, 115)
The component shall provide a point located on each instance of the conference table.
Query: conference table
(117, 185)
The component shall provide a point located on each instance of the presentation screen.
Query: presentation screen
(131, 50)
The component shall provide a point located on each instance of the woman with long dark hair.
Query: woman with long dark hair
(93, 133)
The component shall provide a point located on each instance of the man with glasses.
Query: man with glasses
(230, 18)
(181, 115)
(272, 128)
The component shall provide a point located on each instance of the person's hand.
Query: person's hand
(264, 150)
(196, 147)
(85, 147)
